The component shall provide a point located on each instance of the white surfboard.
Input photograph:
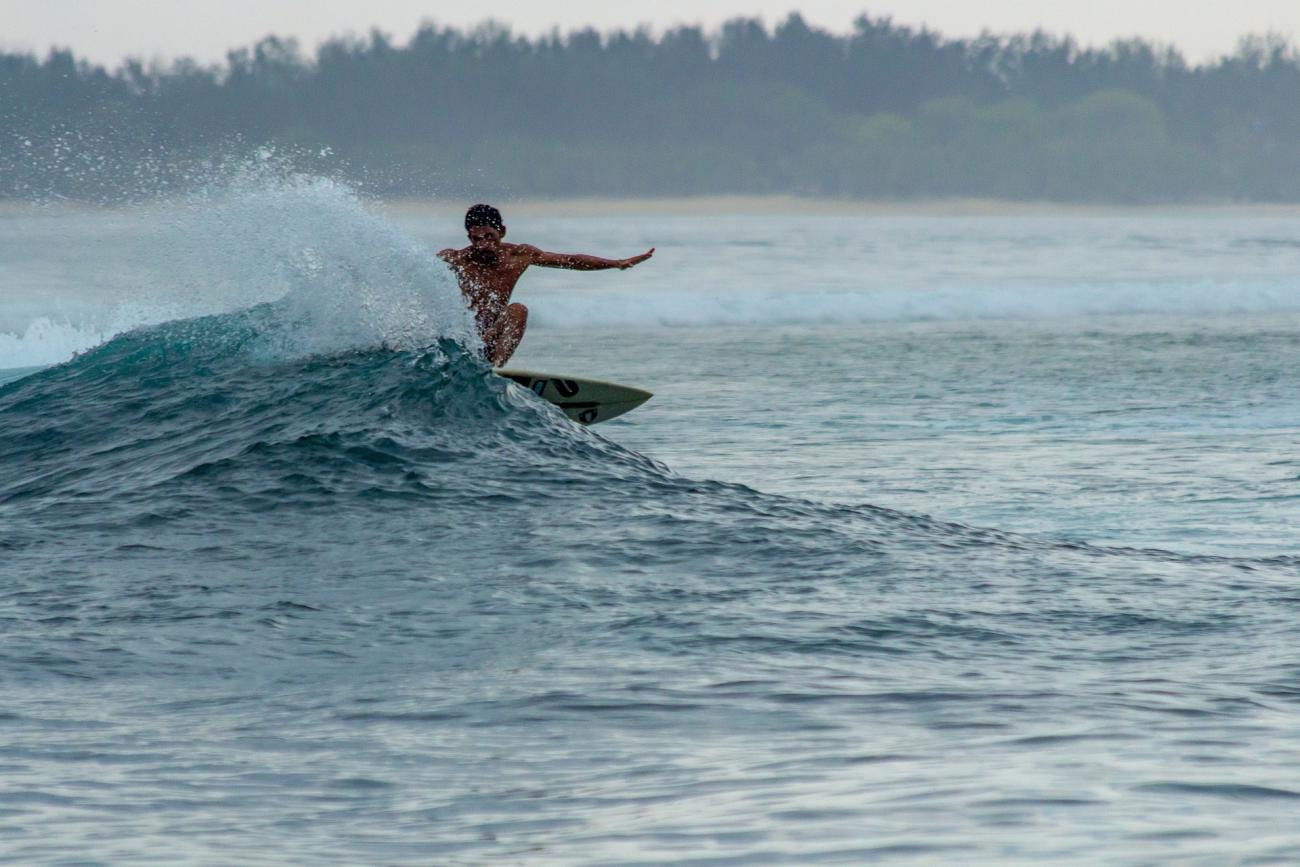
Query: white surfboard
(586, 401)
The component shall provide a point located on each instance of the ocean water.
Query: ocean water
(958, 540)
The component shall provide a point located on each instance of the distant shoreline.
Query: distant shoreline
(742, 205)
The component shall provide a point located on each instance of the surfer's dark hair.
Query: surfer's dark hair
(484, 215)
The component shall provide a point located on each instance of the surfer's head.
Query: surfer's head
(484, 221)
(485, 229)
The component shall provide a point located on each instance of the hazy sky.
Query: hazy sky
(107, 30)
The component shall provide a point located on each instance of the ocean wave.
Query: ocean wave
(207, 425)
(187, 404)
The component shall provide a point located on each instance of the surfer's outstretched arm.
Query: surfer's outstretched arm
(583, 262)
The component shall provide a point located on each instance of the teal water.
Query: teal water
(942, 540)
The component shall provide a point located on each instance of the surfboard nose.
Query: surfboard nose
(586, 401)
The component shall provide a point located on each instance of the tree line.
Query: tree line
(885, 111)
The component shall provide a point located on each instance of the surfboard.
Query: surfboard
(586, 401)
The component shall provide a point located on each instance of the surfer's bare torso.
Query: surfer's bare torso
(488, 269)
(487, 278)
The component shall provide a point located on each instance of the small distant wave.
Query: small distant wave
(350, 311)
(687, 308)
(1268, 243)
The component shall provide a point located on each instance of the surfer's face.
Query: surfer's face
(485, 245)
(485, 236)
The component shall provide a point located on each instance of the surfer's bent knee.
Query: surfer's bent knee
(515, 321)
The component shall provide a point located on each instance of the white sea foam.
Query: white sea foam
(46, 341)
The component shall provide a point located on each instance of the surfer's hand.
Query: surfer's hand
(635, 260)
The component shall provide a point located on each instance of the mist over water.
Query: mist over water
(942, 538)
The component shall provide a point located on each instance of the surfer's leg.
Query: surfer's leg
(502, 339)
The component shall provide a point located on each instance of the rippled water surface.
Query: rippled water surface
(943, 540)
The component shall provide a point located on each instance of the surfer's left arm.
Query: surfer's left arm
(581, 261)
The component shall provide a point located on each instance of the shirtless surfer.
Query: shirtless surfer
(488, 270)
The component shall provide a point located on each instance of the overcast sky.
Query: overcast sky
(107, 30)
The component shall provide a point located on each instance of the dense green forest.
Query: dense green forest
(885, 111)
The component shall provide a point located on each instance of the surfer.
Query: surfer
(488, 270)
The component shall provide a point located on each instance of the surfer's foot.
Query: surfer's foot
(502, 339)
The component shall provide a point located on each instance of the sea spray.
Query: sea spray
(253, 231)
(346, 276)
